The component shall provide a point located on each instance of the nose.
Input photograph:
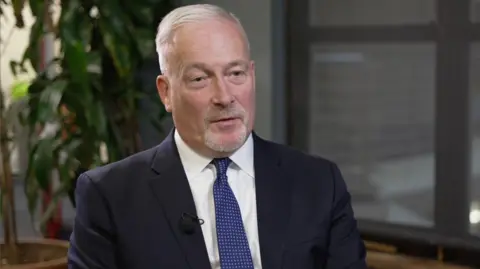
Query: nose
(222, 95)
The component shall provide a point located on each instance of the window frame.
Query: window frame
(452, 33)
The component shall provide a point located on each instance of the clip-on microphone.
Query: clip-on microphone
(188, 222)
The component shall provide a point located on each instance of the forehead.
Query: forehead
(209, 42)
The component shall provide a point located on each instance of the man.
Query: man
(213, 194)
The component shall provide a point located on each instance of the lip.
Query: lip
(226, 119)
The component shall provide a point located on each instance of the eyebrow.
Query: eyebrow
(204, 67)
(241, 63)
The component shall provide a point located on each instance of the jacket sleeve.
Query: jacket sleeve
(346, 249)
(92, 244)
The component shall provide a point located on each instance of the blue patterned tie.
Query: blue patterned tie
(231, 236)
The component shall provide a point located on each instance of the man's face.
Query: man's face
(210, 86)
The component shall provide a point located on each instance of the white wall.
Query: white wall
(12, 48)
(13, 44)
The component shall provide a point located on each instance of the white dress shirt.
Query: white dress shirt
(201, 175)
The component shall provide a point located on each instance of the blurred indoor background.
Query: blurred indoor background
(388, 89)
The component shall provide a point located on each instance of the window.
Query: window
(371, 12)
(475, 127)
(381, 87)
(372, 112)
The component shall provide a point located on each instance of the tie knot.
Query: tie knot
(221, 164)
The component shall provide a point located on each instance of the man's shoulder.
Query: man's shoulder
(312, 175)
(131, 167)
(296, 156)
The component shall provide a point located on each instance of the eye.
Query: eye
(237, 76)
(198, 79)
(237, 73)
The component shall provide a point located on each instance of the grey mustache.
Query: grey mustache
(226, 114)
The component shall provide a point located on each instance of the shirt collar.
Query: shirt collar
(243, 157)
(194, 163)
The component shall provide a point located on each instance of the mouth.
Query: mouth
(226, 119)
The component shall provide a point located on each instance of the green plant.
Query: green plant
(7, 199)
(6, 186)
(88, 94)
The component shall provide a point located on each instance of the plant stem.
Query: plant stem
(9, 221)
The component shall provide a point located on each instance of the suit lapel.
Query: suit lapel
(273, 202)
(173, 192)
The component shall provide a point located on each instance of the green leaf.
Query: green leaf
(31, 189)
(85, 28)
(50, 99)
(116, 30)
(69, 14)
(70, 147)
(94, 63)
(116, 139)
(19, 90)
(75, 36)
(96, 118)
(43, 162)
(56, 196)
(145, 44)
(31, 53)
(140, 11)
(76, 59)
(111, 13)
(117, 49)
(37, 7)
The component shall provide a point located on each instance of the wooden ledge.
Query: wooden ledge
(380, 260)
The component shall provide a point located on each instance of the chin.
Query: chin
(225, 141)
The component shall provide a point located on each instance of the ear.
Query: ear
(252, 70)
(163, 88)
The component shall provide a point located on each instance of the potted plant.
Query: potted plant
(34, 254)
(84, 113)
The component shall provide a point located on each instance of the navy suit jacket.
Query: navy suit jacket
(129, 213)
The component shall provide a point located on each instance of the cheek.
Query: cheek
(193, 106)
(247, 100)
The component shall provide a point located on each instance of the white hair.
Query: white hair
(184, 15)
